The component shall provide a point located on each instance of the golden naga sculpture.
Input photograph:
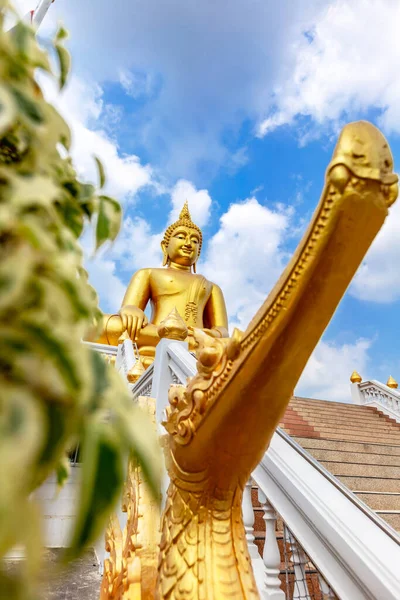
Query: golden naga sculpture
(198, 301)
(220, 425)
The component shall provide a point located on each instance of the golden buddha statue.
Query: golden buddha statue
(175, 285)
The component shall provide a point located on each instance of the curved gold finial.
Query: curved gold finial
(136, 371)
(355, 377)
(173, 327)
(392, 383)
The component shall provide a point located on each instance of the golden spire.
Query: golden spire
(173, 327)
(355, 377)
(185, 214)
(392, 383)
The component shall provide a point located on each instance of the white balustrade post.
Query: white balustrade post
(248, 520)
(326, 591)
(356, 394)
(271, 555)
(162, 378)
(299, 560)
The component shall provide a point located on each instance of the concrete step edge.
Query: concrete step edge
(350, 440)
(355, 462)
(336, 440)
(345, 429)
(377, 493)
(387, 512)
(360, 460)
(345, 452)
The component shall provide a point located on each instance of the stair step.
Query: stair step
(365, 458)
(322, 413)
(391, 517)
(342, 468)
(365, 415)
(345, 427)
(373, 484)
(328, 405)
(329, 444)
(332, 407)
(339, 435)
(297, 400)
(380, 501)
(310, 419)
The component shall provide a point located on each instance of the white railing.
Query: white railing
(377, 394)
(326, 531)
(354, 552)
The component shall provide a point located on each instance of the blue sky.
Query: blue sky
(237, 106)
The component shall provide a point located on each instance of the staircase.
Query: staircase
(358, 444)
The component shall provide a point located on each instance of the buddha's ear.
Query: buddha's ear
(165, 253)
(194, 267)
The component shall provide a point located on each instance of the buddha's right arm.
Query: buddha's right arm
(131, 314)
(134, 303)
(138, 290)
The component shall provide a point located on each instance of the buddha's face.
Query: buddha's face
(183, 246)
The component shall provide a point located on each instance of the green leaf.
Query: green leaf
(58, 352)
(140, 436)
(20, 35)
(62, 471)
(27, 106)
(72, 216)
(100, 378)
(101, 172)
(64, 60)
(56, 432)
(86, 198)
(82, 309)
(62, 34)
(7, 110)
(102, 480)
(108, 220)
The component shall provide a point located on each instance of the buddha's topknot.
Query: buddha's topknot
(184, 220)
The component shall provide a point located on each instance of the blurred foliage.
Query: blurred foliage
(54, 391)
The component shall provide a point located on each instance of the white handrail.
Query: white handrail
(377, 394)
(357, 552)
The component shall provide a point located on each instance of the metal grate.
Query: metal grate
(301, 578)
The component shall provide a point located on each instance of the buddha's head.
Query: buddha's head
(182, 241)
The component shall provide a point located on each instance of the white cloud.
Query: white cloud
(378, 278)
(202, 69)
(346, 63)
(245, 257)
(82, 106)
(327, 373)
(137, 247)
(199, 202)
(113, 265)
(109, 287)
(137, 84)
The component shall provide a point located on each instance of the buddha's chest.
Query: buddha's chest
(186, 286)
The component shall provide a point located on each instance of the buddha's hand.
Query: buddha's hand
(133, 319)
